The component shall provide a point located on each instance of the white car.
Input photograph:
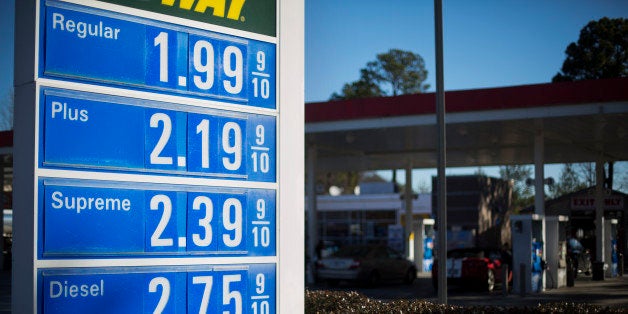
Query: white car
(365, 264)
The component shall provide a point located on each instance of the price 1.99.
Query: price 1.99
(148, 54)
(215, 67)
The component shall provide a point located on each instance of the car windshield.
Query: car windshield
(352, 251)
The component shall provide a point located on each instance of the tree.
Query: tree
(586, 171)
(578, 176)
(344, 181)
(424, 187)
(621, 182)
(601, 52)
(522, 195)
(365, 87)
(569, 181)
(404, 71)
(396, 72)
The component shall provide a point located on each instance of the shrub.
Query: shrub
(340, 302)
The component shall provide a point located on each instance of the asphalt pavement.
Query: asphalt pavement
(5, 291)
(608, 292)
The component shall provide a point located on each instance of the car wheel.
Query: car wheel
(490, 280)
(410, 276)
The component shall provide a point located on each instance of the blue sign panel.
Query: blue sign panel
(109, 48)
(83, 130)
(248, 288)
(87, 218)
(162, 241)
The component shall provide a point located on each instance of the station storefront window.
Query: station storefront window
(356, 226)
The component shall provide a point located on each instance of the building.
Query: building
(478, 211)
(579, 206)
(365, 218)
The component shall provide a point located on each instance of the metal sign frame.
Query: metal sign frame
(49, 267)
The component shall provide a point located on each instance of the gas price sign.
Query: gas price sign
(109, 48)
(94, 218)
(84, 130)
(247, 288)
(148, 152)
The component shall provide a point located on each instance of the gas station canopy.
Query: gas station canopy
(580, 122)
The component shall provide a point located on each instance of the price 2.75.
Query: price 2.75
(227, 289)
(215, 292)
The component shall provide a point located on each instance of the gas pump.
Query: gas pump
(424, 245)
(528, 254)
(610, 242)
(538, 265)
(556, 251)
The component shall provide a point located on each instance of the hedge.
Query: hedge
(340, 302)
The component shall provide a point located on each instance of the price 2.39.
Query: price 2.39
(213, 222)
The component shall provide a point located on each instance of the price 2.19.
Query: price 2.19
(211, 144)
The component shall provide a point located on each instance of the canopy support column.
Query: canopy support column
(539, 173)
(539, 189)
(408, 205)
(599, 210)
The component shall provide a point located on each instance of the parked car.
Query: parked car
(366, 264)
(477, 267)
(325, 248)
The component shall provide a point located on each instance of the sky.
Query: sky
(487, 43)
(6, 53)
